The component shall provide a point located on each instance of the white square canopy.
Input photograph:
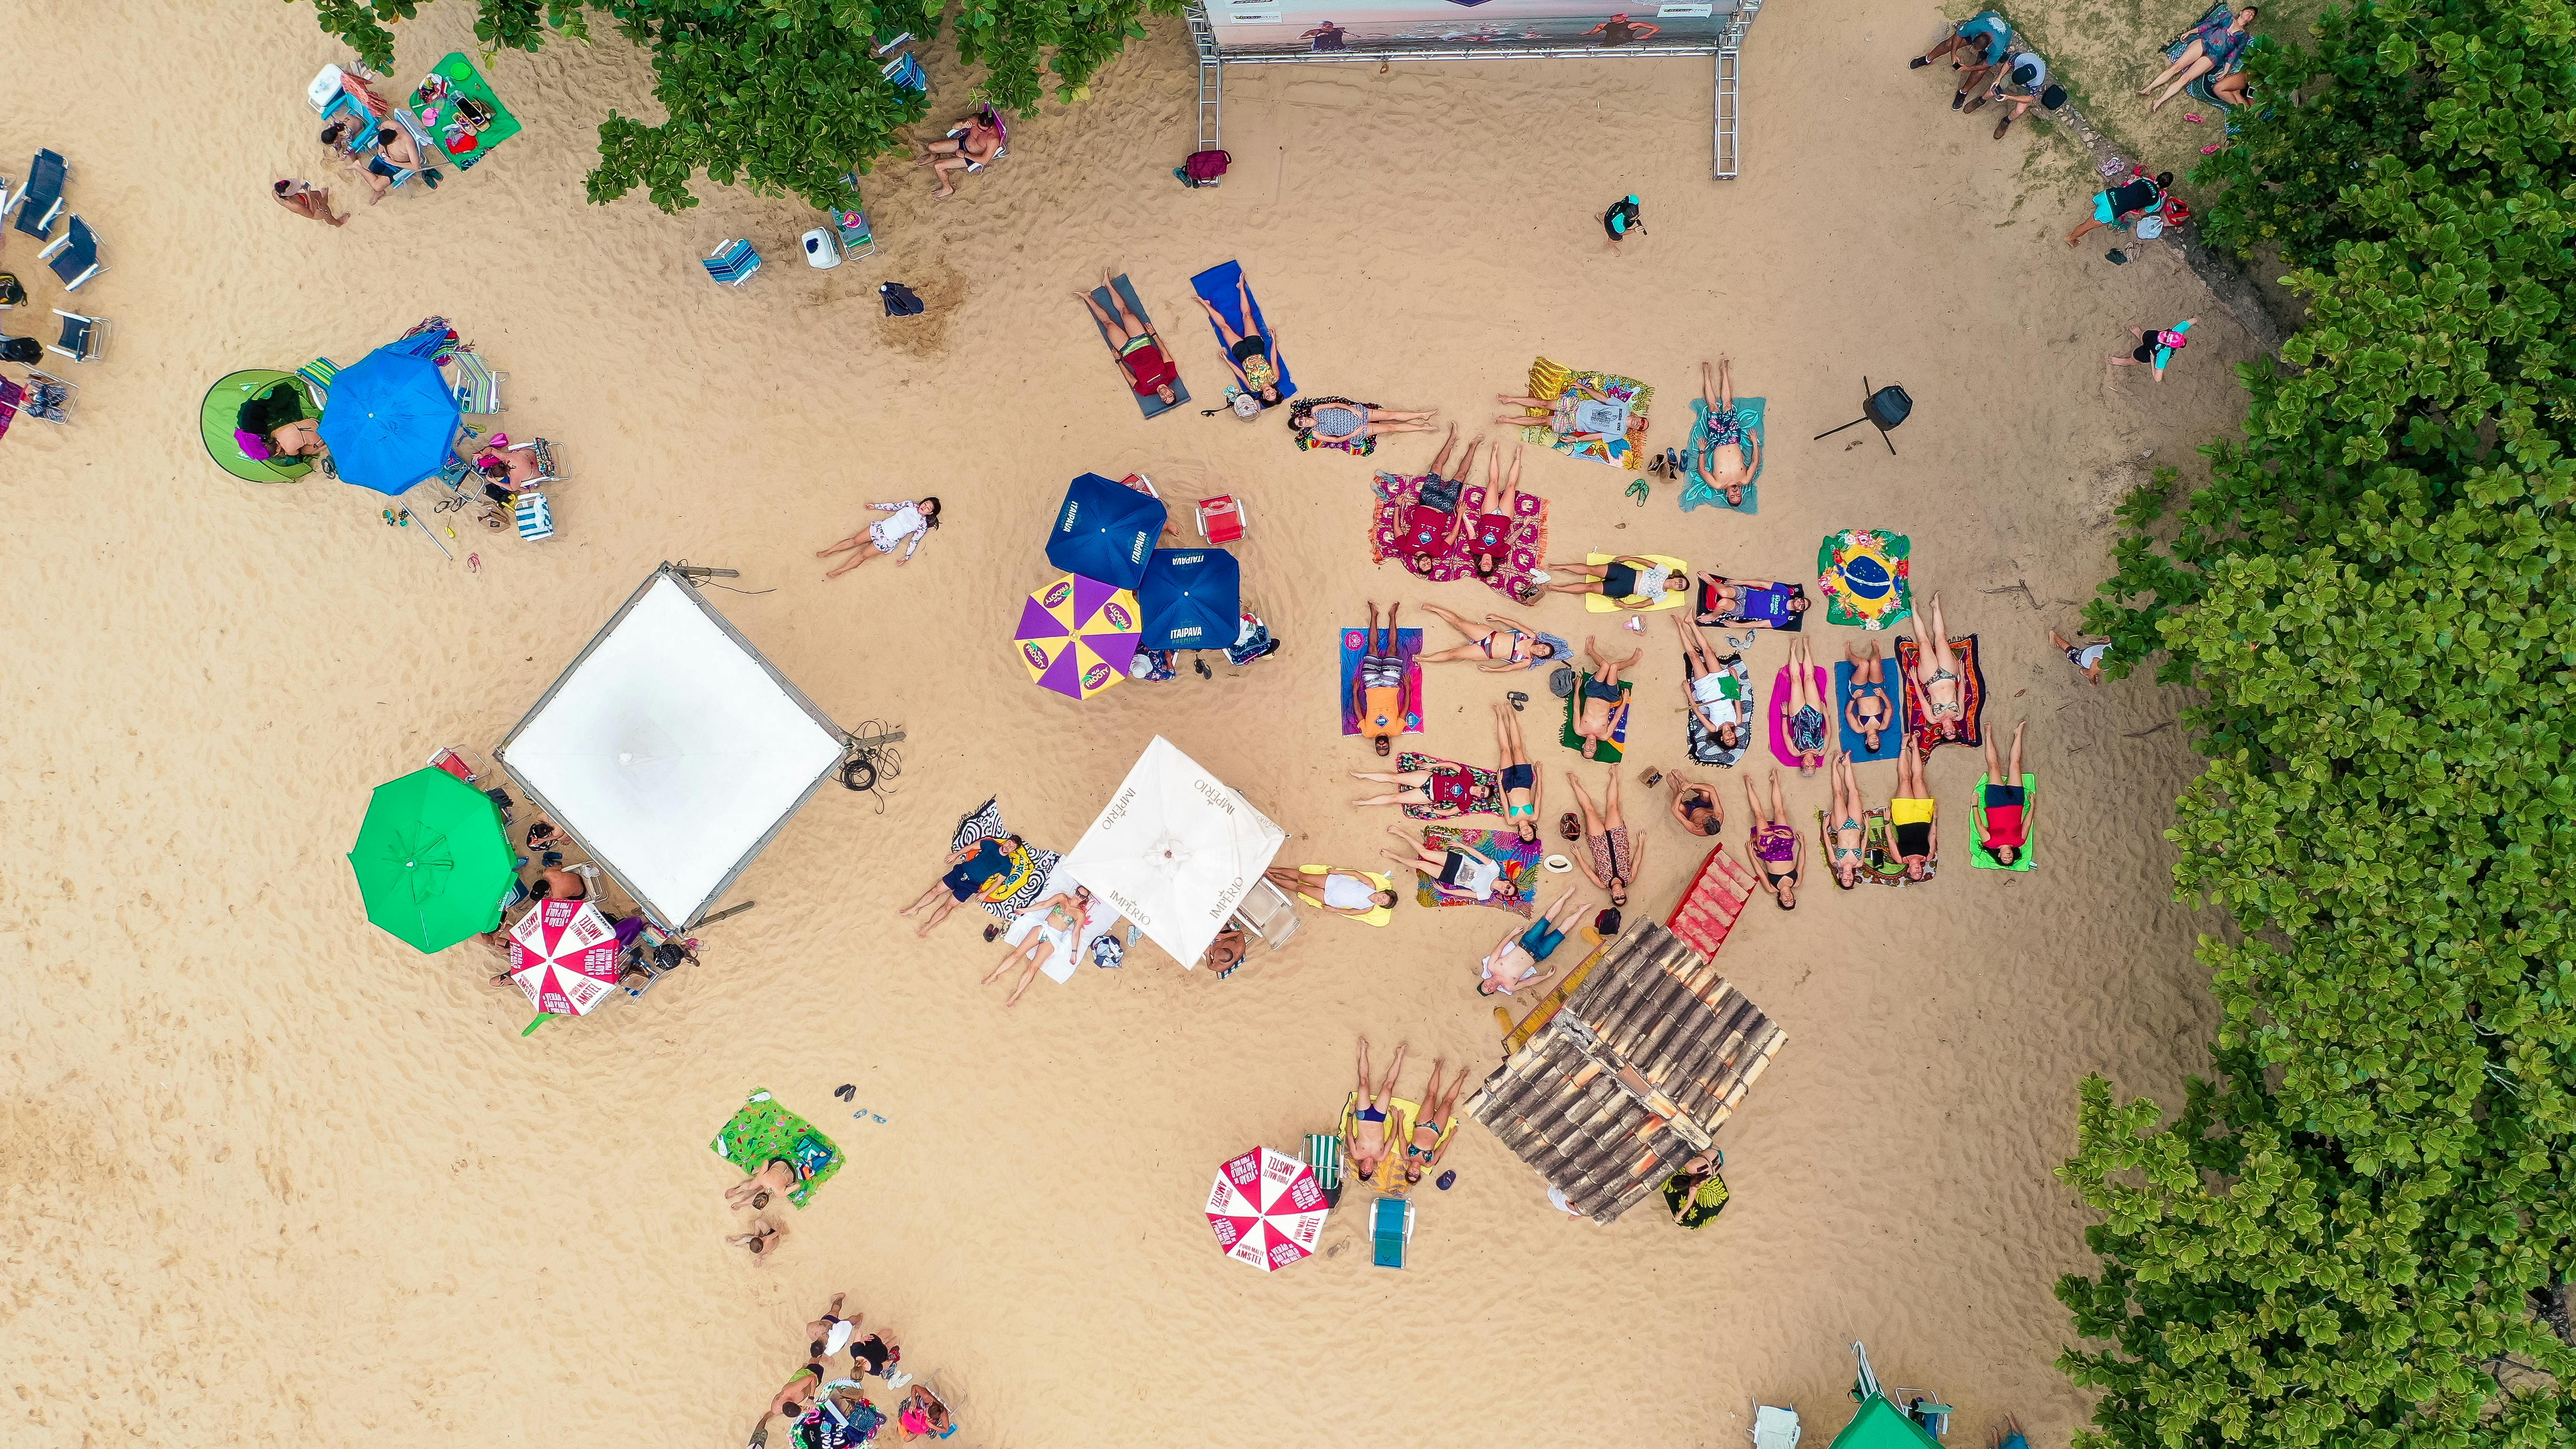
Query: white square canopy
(671, 750)
(1176, 851)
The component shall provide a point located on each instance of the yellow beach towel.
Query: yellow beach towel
(1674, 598)
(1377, 916)
(1400, 1117)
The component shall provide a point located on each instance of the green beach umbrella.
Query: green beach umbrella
(1882, 1425)
(220, 414)
(432, 860)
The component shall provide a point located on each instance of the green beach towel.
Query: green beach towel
(1697, 493)
(1984, 859)
(763, 1130)
(1613, 748)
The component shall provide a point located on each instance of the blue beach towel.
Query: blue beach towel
(1146, 402)
(1748, 410)
(1217, 285)
(1891, 740)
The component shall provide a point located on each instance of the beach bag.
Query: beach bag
(1205, 167)
(900, 300)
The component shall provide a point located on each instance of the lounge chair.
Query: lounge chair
(73, 255)
(1774, 1428)
(1267, 912)
(41, 199)
(906, 72)
(477, 386)
(83, 337)
(1324, 1154)
(543, 452)
(732, 262)
(319, 374)
(1391, 1230)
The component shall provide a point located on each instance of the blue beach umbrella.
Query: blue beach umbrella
(390, 421)
(1192, 599)
(1105, 530)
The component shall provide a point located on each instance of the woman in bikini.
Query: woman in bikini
(1453, 871)
(1843, 827)
(1706, 677)
(1695, 805)
(1610, 858)
(1432, 525)
(1937, 673)
(777, 1175)
(1057, 932)
(1365, 1148)
(1604, 712)
(1452, 791)
(1870, 713)
(1491, 540)
(1776, 844)
(1803, 720)
(1731, 455)
(1508, 648)
(1520, 777)
(1430, 1140)
(1253, 356)
(1916, 816)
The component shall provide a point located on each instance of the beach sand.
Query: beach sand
(274, 1178)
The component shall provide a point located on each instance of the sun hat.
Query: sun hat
(1558, 864)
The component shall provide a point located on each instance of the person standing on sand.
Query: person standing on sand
(305, 199)
(2155, 349)
(2085, 657)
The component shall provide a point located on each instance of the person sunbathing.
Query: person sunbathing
(1706, 679)
(1057, 931)
(1453, 870)
(1377, 686)
(2212, 47)
(970, 147)
(1432, 525)
(1730, 454)
(1583, 413)
(1870, 712)
(1366, 1146)
(1253, 356)
(919, 1414)
(1610, 859)
(777, 1175)
(1804, 717)
(1916, 816)
(1604, 710)
(1775, 843)
(1695, 804)
(1430, 1138)
(1343, 892)
(1140, 353)
(1490, 545)
(1753, 603)
(2007, 827)
(1514, 962)
(1843, 827)
(969, 868)
(1335, 420)
(1520, 777)
(1508, 648)
(1938, 672)
(1620, 580)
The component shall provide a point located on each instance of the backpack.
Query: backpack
(1204, 168)
(900, 300)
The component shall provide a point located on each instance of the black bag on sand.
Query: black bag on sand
(900, 300)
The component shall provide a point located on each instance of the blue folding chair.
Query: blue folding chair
(732, 263)
(905, 70)
(41, 199)
(73, 255)
(83, 337)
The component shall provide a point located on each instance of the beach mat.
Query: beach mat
(1708, 909)
(762, 1130)
(1697, 493)
(1984, 859)
(1780, 703)
(1673, 598)
(1408, 646)
(1008, 895)
(1401, 1114)
(1526, 551)
(1377, 915)
(1704, 747)
(1548, 379)
(1891, 741)
(1519, 859)
(1408, 761)
(1612, 750)
(1972, 696)
(1150, 405)
(1862, 573)
(1792, 623)
(1217, 285)
(1097, 924)
(1878, 858)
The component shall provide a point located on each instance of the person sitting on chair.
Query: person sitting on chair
(395, 154)
(969, 147)
(1140, 354)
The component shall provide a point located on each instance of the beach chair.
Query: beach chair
(73, 255)
(477, 386)
(906, 72)
(1924, 1408)
(1221, 519)
(319, 374)
(1323, 1153)
(732, 262)
(1774, 1428)
(851, 229)
(41, 199)
(1882, 409)
(1267, 912)
(453, 761)
(1391, 1230)
(543, 452)
(83, 337)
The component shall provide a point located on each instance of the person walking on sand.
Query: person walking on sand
(1916, 815)
(1508, 648)
(1694, 803)
(1938, 673)
(912, 520)
(1870, 712)
(1429, 1141)
(1057, 932)
(2155, 349)
(1804, 722)
(2007, 824)
(1367, 1145)
(1343, 892)
(1514, 962)
(1730, 455)
(1520, 777)
(1604, 711)
(1254, 356)
(1775, 843)
(2087, 658)
(1610, 858)
(1842, 834)
(1140, 353)
(969, 868)
(1377, 685)
(305, 199)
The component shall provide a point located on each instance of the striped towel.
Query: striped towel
(319, 374)
(536, 518)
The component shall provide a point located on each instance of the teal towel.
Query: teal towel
(1696, 493)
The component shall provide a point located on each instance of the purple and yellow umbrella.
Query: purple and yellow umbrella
(1078, 635)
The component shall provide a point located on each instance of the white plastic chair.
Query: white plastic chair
(1267, 912)
(1774, 1428)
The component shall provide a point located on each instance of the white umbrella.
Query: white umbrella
(1176, 851)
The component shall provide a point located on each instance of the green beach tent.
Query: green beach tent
(220, 414)
(1882, 1425)
(432, 859)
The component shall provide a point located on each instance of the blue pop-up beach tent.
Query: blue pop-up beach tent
(1192, 599)
(1105, 530)
(391, 420)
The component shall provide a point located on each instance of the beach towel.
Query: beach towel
(763, 1130)
(1548, 380)
(1406, 762)
(1301, 428)
(1891, 740)
(1674, 598)
(1400, 1117)
(1972, 696)
(1707, 911)
(1097, 923)
(1377, 915)
(1023, 884)
(1217, 284)
(1146, 402)
(1408, 647)
(1984, 859)
(1698, 493)
(1862, 573)
(1706, 1203)
(1612, 749)
(1781, 702)
(1526, 544)
(1703, 743)
(1879, 861)
(1519, 859)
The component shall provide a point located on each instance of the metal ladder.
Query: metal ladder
(1211, 81)
(1730, 62)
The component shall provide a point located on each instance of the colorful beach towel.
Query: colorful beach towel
(1549, 380)
(1781, 703)
(1301, 427)
(763, 1130)
(1146, 403)
(1698, 492)
(1879, 862)
(1674, 597)
(1862, 573)
(1217, 284)
(1972, 696)
(1408, 647)
(1023, 883)
(1527, 541)
(1775, 607)
(1406, 762)
(1984, 859)
(1891, 740)
(1519, 859)
(1401, 1114)
(1704, 746)
(1610, 751)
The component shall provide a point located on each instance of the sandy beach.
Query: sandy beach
(277, 1178)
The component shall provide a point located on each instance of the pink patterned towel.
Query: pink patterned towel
(1525, 540)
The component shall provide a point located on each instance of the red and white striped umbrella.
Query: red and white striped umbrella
(564, 955)
(1267, 1209)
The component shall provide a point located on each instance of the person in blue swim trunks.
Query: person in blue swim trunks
(1514, 963)
(1979, 44)
(1729, 454)
(1365, 1148)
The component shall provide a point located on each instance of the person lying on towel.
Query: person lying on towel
(1253, 355)
(1605, 701)
(1583, 413)
(1627, 577)
(1139, 354)
(1754, 603)
(1733, 454)
(1377, 686)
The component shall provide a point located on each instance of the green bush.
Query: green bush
(2346, 1239)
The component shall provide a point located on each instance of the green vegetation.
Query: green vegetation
(2358, 1235)
(778, 95)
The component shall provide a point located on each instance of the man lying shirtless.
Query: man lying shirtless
(1731, 454)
